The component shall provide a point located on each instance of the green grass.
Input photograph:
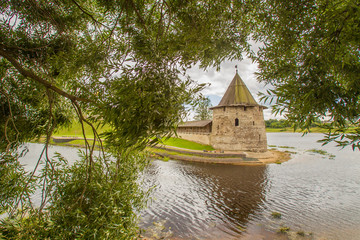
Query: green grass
(80, 142)
(182, 143)
(286, 147)
(318, 151)
(75, 130)
(283, 229)
(322, 152)
(156, 150)
(276, 215)
(279, 130)
(75, 143)
(300, 233)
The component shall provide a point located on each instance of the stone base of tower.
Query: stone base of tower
(228, 143)
(239, 128)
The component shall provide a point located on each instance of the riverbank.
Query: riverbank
(234, 158)
(192, 154)
(75, 130)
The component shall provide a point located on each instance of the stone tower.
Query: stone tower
(238, 122)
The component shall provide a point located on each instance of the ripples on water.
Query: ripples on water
(197, 199)
(214, 201)
(312, 192)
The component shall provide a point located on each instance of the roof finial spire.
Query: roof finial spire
(236, 68)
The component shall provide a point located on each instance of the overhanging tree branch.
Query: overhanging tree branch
(88, 14)
(141, 19)
(30, 74)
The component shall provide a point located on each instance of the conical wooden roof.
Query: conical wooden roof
(237, 94)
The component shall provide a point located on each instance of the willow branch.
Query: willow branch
(88, 14)
(10, 118)
(138, 15)
(25, 189)
(50, 129)
(30, 74)
(87, 146)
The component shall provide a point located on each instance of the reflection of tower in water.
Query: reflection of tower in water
(205, 200)
(234, 193)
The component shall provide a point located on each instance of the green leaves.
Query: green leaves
(100, 206)
(202, 111)
(145, 102)
(123, 63)
(311, 59)
(13, 180)
(119, 63)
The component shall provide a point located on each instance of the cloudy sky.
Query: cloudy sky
(220, 80)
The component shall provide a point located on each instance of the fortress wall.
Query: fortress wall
(199, 138)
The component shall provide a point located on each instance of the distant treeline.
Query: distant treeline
(275, 123)
(282, 123)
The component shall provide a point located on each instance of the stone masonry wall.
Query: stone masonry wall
(199, 138)
(249, 135)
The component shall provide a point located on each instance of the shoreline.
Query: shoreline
(213, 157)
(234, 158)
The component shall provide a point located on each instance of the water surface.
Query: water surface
(313, 192)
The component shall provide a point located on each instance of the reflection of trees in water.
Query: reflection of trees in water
(195, 197)
(232, 193)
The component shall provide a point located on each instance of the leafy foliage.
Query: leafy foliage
(202, 109)
(274, 123)
(120, 64)
(13, 180)
(310, 57)
(282, 123)
(102, 208)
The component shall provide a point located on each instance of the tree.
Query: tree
(310, 57)
(121, 63)
(202, 111)
(275, 123)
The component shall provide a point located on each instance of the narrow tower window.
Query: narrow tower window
(236, 122)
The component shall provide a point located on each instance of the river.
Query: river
(315, 192)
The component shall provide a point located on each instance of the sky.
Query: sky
(220, 80)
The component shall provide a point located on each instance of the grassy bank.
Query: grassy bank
(75, 130)
(73, 143)
(182, 143)
(173, 142)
